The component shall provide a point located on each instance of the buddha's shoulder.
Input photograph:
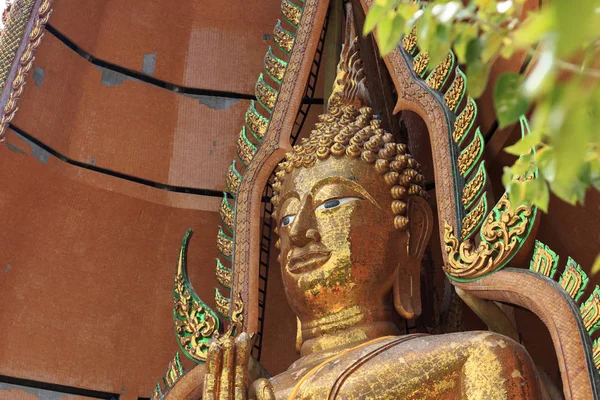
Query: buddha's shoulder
(469, 338)
(461, 344)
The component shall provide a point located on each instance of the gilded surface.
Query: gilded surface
(291, 12)
(289, 98)
(409, 42)
(173, 373)
(421, 63)
(544, 260)
(283, 38)
(195, 323)
(224, 275)
(501, 233)
(245, 148)
(24, 65)
(222, 303)
(332, 137)
(335, 221)
(474, 187)
(256, 122)
(226, 213)
(224, 243)
(456, 92)
(464, 122)
(274, 66)
(440, 74)
(412, 96)
(590, 311)
(574, 280)
(335, 218)
(471, 222)
(469, 156)
(233, 179)
(350, 81)
(338, 196)
(265, 94)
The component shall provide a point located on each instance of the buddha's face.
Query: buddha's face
(339, 248)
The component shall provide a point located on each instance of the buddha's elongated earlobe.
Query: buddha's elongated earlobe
(299, 340)
(407, 290)
(407, 286)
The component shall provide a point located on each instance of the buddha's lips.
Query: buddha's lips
(308, 260)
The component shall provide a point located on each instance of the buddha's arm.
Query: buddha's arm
(469, 365)
(498, 368)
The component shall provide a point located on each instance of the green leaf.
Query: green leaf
(508, 49)
(493, 41)
(525, 144)
(446, 12)
(440, 45)
(543, 73)
(478, 75)
(546, 163)
(474, 48)
(390, 35)
(507, 177)
(570, 147)
(426, 29)
(384, 30)
(522, 165)
(564, 191)
(595, 173)
(516, 193)
(408, 11)
(596, 266)
(573, 24)
(468, 32)
(376, 13)
(537, 193)
(510, 104)
(536, 26)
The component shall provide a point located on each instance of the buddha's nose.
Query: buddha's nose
(304, 227)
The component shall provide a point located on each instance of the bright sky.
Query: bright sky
(2, 7)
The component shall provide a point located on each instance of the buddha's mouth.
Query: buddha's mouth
(308, 260)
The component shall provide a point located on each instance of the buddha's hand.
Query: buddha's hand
(227, 376)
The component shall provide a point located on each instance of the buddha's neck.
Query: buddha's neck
(346, 327)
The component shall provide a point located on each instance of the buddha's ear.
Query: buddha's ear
(407, 287)
(420, 225)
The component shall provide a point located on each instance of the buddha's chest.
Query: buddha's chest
(383, 371)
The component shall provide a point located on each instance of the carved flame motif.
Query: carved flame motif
(502, 234)
(195, 322)
(350, 81)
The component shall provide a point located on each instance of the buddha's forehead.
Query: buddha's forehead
(303, 180)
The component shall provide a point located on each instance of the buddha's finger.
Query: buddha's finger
(262, 389)
(243, 345)
(226, 381)
(213, 369)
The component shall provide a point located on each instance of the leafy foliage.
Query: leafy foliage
(563, 82)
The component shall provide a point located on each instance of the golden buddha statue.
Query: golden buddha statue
(353, 226)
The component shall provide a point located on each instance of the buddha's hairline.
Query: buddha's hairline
(354, 133)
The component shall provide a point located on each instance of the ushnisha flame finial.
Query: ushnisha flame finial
(350, 86)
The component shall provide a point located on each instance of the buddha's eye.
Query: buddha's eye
(333, 203)
(288, 219)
